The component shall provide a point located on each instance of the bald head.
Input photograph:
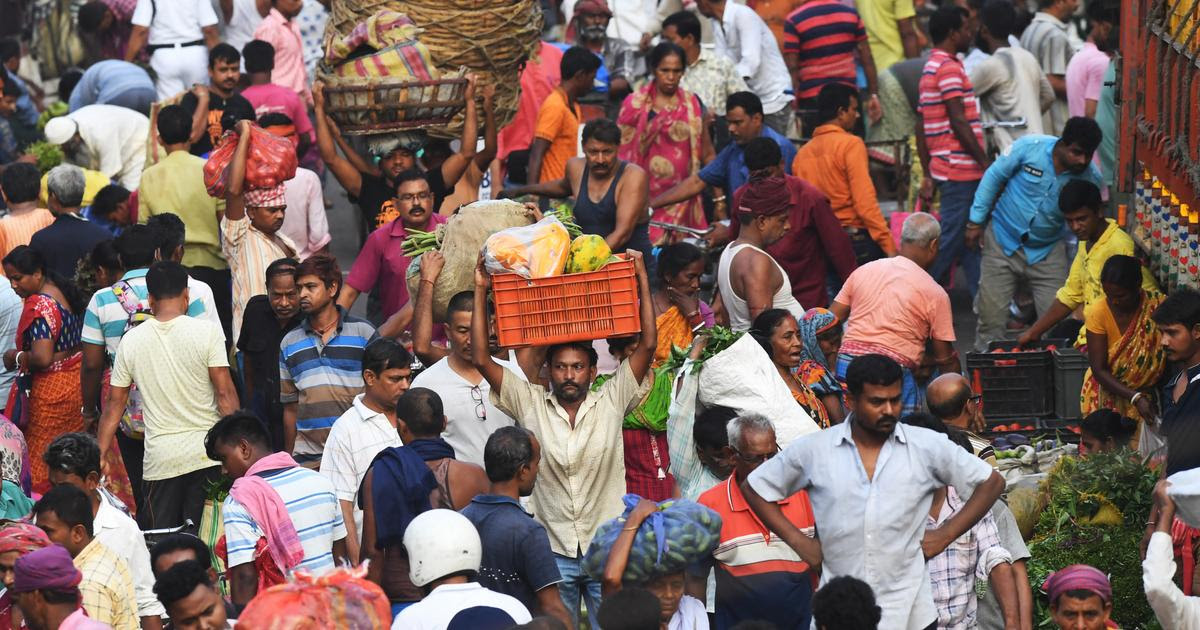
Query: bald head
(947, 399)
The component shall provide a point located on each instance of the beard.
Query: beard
(575, 394)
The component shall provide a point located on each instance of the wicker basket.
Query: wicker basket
(491, 38)
(364, 107)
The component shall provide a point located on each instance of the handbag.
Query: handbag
(17, 406)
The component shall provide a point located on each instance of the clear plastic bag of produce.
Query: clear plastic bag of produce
(270, 161)
(680, 534)
(532, 251)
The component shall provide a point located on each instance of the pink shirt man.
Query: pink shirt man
(1085, 77)
(894, 307)
(269, 98)
(382, 263)
(304, 221)
(284, 35)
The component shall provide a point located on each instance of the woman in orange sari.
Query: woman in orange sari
(662, 131)
(678, 309)
(1123, 344)
(45, 399)
(775, 329)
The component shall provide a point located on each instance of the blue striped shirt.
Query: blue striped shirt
(322, 379)
(313, 507)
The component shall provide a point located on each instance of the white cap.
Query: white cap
(439, 543)
(60, 129)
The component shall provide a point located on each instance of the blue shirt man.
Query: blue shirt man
(114, 82)
(728, 169)
(1026, 214)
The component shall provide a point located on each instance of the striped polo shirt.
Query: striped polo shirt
(106, 319)
(942, 79)
(758, 575)
(323, 379)
(823, 34)
(313, 508)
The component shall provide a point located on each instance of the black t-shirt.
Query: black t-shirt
(1181, 423)
(259, 343)
(216, 107)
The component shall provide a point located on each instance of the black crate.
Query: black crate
(1014, 384)
(1070, 365)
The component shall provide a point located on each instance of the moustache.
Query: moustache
(417, 209)
(593, 31)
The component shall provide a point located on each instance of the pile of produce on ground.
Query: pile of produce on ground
(270, 161)
(1096, 512)
(1019, 456)
(680, 534)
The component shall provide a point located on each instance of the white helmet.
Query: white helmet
(441, 542)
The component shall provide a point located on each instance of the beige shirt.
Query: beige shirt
(582, 475)
(249, 253)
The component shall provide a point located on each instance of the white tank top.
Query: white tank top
(242, 24)
(738, 309)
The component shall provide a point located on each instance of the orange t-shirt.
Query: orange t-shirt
(558, 124)
(17, 230)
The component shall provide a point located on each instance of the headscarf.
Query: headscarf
(814, 322)
(592, 7)
(1078, 577)
(765, 197)
(22, 537)
(49, 569)
(265, 197)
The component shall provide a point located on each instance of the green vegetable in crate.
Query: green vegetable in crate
(676, 534)
(589, 252)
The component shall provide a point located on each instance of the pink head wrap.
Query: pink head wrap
(22, 537)
(1078, 577)
(265, 197)
(50, 569)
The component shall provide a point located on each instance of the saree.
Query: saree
(667, 145)
(814, 370)
(674, 332)
(810, 402)
(1137, 361)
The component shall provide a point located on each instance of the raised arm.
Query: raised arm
(422, 322)
(490, 133)
(631, 206)
(639, 361)
(455, 165)
(618, 555)
(487, 366)
(347, 175)
(235, 205)
(200, 116)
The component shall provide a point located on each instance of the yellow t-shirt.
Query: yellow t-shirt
(883, 34)
(176, 185)
(1082, 287)
(93, 181)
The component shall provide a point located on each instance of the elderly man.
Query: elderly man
(950, 399)
(70, 237)
(579, 431)
(45, 586)
(872, 482)
(757, 578)
(620, 67)
(892, 306)
(107, 138)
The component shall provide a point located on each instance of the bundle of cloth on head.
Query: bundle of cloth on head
(46, 569)
(342, 598)
(765, 197)
(1078, 577)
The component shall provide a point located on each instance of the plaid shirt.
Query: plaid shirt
(953, 572)
(689, 472)
(107, 589)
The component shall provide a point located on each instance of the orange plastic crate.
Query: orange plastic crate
(575, 307)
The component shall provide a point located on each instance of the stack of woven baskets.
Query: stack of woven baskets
(490, 38)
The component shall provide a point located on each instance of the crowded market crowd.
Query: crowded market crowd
(213, 421)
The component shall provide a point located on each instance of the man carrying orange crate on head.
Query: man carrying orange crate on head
(585, 482)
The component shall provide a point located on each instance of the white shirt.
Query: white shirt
(1010, 84)
(242, 23)
(745, 38)
(304, 221)
(465, 403)
(120, 533)
(174, 21)
(440, 605)
(357, 436)
(1174, 610)
(116, 139)
(689, 616)
(739, 309)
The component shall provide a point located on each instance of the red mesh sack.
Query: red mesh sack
(342, 598)
(270, 161)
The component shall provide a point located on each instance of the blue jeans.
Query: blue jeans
(912, 395)
(957, 198)
(576, 583)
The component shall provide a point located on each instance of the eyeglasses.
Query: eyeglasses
(425, 196)
(480, 410)
(976, 398)
(755, 459)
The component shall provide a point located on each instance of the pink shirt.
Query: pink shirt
(382, 263)
(79, 620)
(1085, 77)
(538, 80)
(304, 221)
(269, 98)
(284, 35)
(897, 305)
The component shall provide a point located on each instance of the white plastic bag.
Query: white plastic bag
(1150, 442)
(1185, 492)
(742, 377)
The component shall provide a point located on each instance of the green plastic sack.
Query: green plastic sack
(651, 414)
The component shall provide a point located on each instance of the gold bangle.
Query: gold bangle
(629, 529)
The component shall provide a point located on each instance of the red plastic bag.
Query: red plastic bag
(270, 160)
